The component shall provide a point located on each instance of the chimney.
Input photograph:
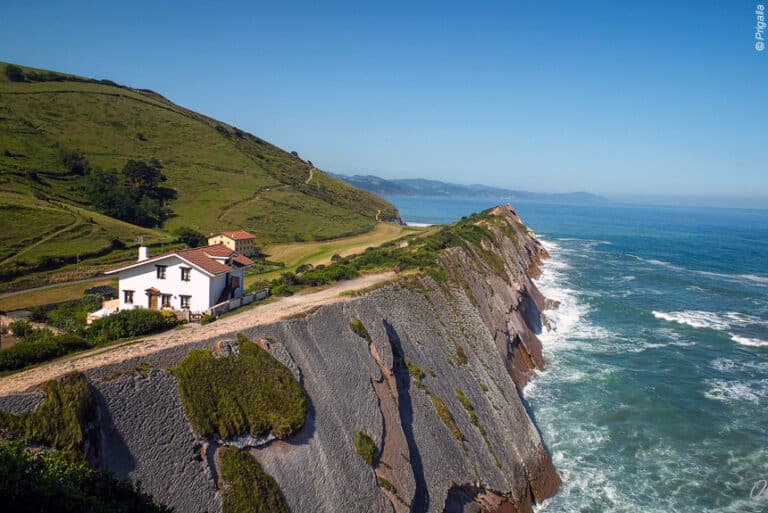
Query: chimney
(143, 253)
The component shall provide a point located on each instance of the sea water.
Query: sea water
(655, 395)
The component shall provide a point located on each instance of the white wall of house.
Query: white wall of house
(143, 277)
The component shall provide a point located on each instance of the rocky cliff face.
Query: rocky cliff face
(436, 386)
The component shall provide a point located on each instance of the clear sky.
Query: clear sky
(616, 98)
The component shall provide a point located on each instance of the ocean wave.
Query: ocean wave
(713, 320)
(730, 390)
(736, 278)
(695, 319)
(727, 365)
(746, 341)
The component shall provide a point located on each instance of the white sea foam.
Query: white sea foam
(754, 277)
(727, 365)
(717, 321)
(695, 319)
(746, 341)
(418, 225)
(730, 390)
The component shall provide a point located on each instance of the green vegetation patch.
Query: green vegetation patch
(365, 447)
(48, 481)
(461, 356)
(415, 371)
(422, 253)
(464, 400)
(445, 415)
(130, 323)
(247, 488)
(250, 393)
(357, 326)
(61, 419)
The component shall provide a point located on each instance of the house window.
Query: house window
(166, 300)
(185, 301)
(161, 271)
(185, 273)
(128, 297)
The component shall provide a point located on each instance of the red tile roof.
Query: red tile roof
(238, 235)
(203, 258)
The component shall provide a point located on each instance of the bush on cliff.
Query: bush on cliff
(48, 481)
(248, 489)
(365, 447)
(61, 420)
(130, 323)
(248, 393)
(39, 349)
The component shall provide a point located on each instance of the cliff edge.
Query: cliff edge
(429, 368)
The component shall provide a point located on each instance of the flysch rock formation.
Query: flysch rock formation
(472, 335)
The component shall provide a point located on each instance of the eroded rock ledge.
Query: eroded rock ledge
(436, 385)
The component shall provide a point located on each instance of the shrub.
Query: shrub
(20, 329)
(303, 268)
(415, 371)
(62, 418)
(74, 162)
(207, 319)
(358, 328)
(14, 73)
(190, 237)
(365, 447)
(130, 323)
(247, 487)
(48, 481)
(38, 350)
(250, 393)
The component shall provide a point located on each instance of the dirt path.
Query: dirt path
(264, 314)
(311, 175)
(74, 224)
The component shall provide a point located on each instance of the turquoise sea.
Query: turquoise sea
(655, 398)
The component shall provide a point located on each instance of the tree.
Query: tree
(74, 161)
(14, 73)
(190, 237)
(142, 176)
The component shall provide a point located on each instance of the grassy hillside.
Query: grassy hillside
(223, 178)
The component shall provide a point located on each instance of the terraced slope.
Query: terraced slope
(222, 176)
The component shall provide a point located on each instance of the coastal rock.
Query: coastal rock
(437, 388)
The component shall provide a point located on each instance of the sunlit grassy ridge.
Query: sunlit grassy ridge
(224, 178)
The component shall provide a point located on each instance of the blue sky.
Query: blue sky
(617, 98)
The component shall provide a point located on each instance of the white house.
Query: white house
(186, 279)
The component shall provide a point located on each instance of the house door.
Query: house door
(153, 302)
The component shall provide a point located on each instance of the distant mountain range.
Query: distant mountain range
(423, 187)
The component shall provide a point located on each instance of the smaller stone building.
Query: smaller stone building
(240, 241)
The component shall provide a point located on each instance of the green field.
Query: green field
(222, 177)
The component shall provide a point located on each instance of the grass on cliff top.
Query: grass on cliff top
(250, 393)
(247, 488)
(419, 252)
(61, 419)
